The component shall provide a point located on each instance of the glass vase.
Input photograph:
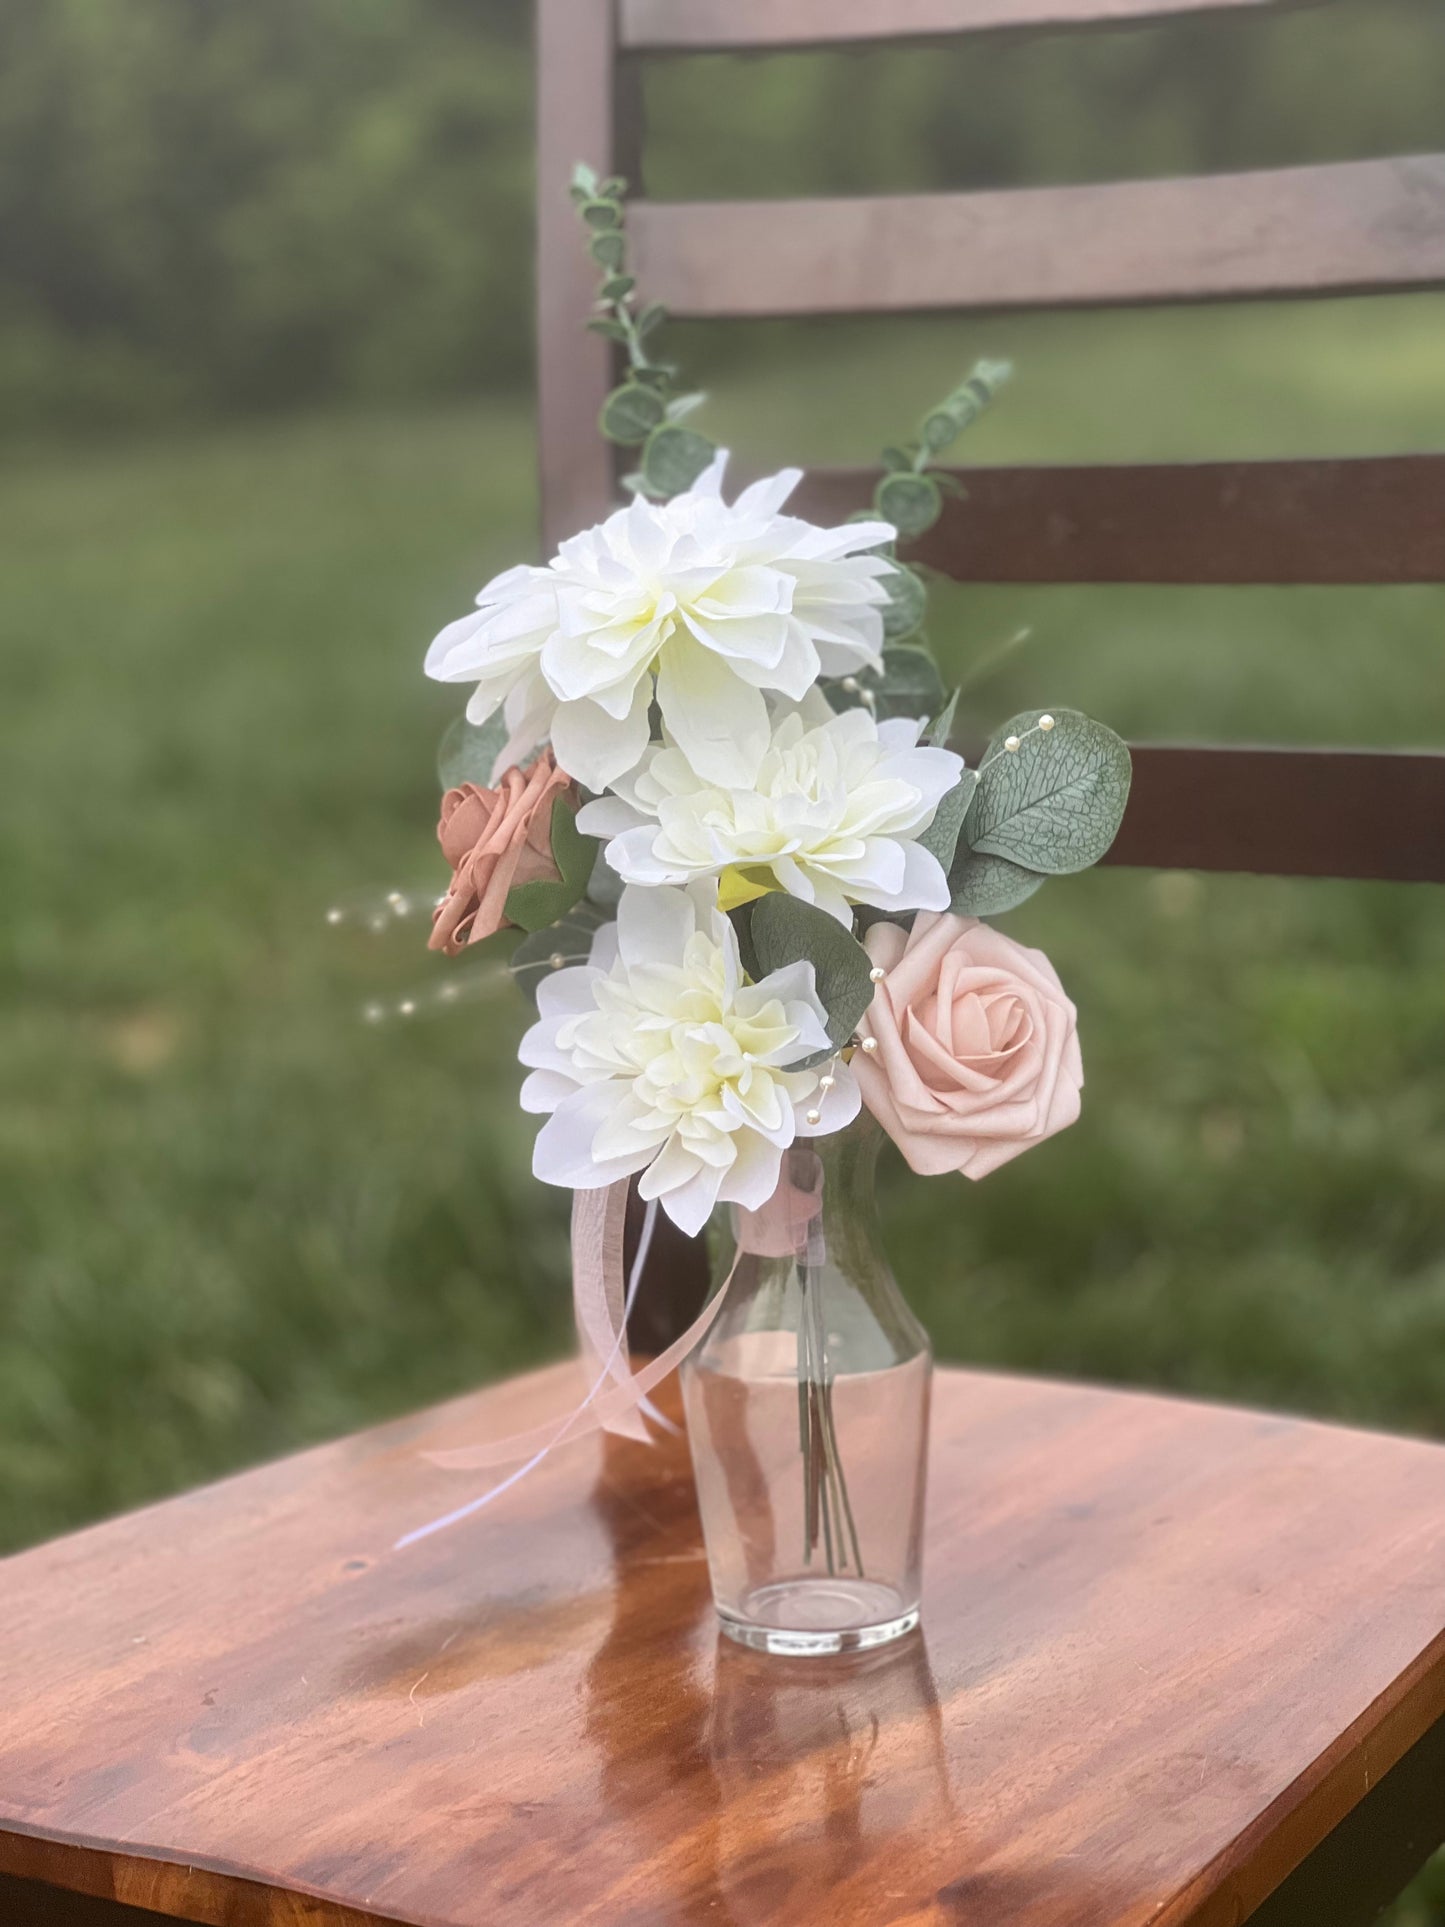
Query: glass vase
(807, 1413)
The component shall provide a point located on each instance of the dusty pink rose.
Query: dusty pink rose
(494, 839)
(977, 1054)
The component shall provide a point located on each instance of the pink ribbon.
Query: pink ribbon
(602, 1307)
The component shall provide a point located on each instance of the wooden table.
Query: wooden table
(1167, 1649)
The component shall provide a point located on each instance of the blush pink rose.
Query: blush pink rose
(493, 839)
(977, 1054)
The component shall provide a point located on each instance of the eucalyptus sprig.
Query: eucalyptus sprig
(908, 496)
(645, 410)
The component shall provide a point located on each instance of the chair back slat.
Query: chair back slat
(1375, 815)
(694, 26)
(576, 120)
(1373, 519)
(1349, 228)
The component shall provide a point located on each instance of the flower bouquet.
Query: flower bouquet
(705, 772)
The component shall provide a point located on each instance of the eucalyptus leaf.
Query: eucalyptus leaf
(601, 215)
(630, 414)
(896, 460)
(467, 751)
(741, 920)
(652, 316)
(910, 685)
(570, 938)
(1055, 803)
(939, 430)
(911, 503)
(618, 286)
(584, 182)
(610, 330)
(674, 458)
(906, 606)
(940, 839)
(986, 886)
(534, 906)
(681, 406)
(941, 728)
(608, 250)
(785, 930)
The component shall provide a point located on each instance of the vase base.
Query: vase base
(811, 1616)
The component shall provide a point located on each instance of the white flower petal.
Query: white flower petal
(718, 722)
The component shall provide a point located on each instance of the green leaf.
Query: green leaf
(602, 215)
(674, 458)
(584, 182)
(911, 503)
(941, 728)
(630, 414)
(939, 430)
(467, 751)
(941, 836)
(896, 460)
(651, 317)
(534, 906)
(612, 189)
(681, 406)
(608, 250)
(570, 938)
(906, 606)
(617, 286)
(1055, 803)
(910, 685)
(741, 920)
(605, 326)
(986, 886)
(785, 930)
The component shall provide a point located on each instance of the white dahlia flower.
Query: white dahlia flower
(706, 603)
(833, 816)
(656, 1056)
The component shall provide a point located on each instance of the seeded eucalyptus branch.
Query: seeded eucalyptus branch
(645, 410)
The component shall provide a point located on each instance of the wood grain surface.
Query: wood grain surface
(1350, 227)
(694, 26)
(1357, 520)
(1167, 1647)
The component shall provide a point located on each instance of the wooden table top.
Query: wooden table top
(1166, 1647)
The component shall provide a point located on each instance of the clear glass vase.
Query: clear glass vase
(807, 1414)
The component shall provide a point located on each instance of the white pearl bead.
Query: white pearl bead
(870, 1044)
(556, 960)
(1010, 743)
(815, 1117)
(826, 1083)
(1046, 722)
(877, 974)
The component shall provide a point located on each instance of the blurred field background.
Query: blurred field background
(265, 396)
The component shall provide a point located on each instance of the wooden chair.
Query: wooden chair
(1354, 228)
(1181, 1667)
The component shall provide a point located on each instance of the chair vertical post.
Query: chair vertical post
(576, 121)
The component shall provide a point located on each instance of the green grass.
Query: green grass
(235, 1218)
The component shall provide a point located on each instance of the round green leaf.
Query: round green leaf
(630, 413)
(1053, 804)
(467, 751)
(910, 685)
(986, 886)
(906, 605)
(602, 215)
(674, 458)
(786, 930)
(939, 430)
(911, 503)
(608, 250)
